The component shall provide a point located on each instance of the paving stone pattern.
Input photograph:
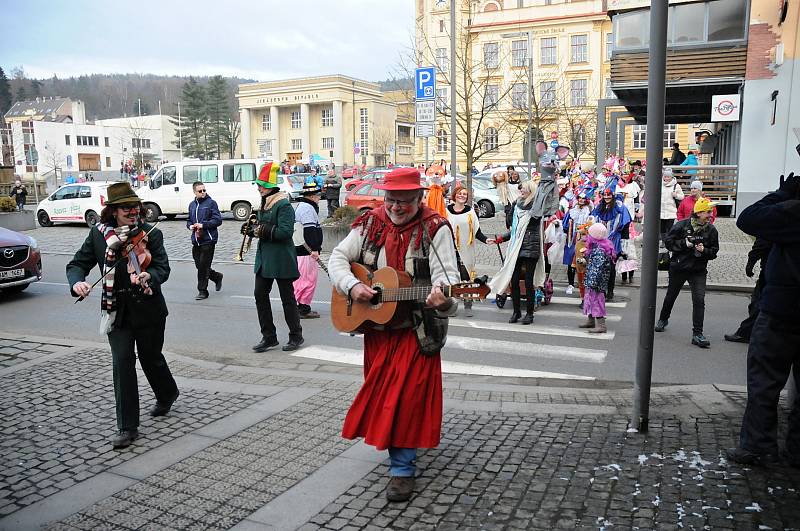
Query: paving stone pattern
(504, 471)
(221, 485)
(58, 418)
(13, 351)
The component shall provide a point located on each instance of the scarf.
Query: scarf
(381, 232)
(697, 226)
(108, 301)
(270, 200)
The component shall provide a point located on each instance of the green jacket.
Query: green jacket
(276, 256)
(144, 312)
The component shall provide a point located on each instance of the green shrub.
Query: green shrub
(345, 214)
(7, 204)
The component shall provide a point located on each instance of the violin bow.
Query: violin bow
(119, 261)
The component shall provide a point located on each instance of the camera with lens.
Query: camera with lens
(695, 240)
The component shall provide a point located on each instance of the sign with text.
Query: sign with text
(425, 83)
(725, 108)
(426, 111)
(424, 130)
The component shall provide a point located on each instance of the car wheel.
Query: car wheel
(485, 209)
(91, 218)
(151, 212)
(241, 211)
(44, 219)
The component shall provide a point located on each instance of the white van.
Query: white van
(229, 182)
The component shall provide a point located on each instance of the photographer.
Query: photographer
(693, 243)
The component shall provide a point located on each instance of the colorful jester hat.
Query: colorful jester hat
(268, 176)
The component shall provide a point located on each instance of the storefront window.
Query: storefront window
(725, 20)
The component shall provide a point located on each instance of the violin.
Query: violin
(139, 258)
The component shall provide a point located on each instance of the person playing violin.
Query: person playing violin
(133, 260)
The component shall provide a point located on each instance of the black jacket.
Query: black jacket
(137, 312)
(684, 258)
(776, 218)
(206, 212)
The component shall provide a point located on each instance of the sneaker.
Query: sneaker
(265, 344)
(218, 283)
(400, 489)
(736, 338)
(310, 314)
(201, 295)
(570, 289)
(701, 341)
(161, 409)
(746, 457)
(661, 325)
(124, 438)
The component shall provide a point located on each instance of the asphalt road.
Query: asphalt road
(225, 326)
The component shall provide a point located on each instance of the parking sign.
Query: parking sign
(425, 83)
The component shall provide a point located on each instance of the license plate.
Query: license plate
(14, 273)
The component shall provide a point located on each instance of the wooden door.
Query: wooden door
(88, 162)
(294, 157)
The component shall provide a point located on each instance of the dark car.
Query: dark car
(20, 261)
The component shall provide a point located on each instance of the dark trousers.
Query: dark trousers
(333, 205)
(571, 275)
(746, 326)
(149, 342)
(774, 348)
(530, 291)
(203, 255)
(612, 282)
(290, 311)
(697, 283)
(664, 226)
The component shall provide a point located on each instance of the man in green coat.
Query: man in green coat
(133, 307)
(276, 260)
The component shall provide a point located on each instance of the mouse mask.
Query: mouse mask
(548, 160)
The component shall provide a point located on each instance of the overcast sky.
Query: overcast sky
(258, 39)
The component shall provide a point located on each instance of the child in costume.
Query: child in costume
(599, 253)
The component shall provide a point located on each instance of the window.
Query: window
(140, 143)
(725, 20)
(442, 99)
(441, 140)
(84, 192)
(108, 162)
(206, 173)
(639, 136)
(547, 93)
(327, 142)
(670, 133)
(89, 141)
(264, 147)
(578, 92)
(266, 122)
(549, 50)
(491, 54)
(579, 138)
(442, 60)
(519, 53)
(239, 173)
(296, 124)
(609, 45)
(490, 139)
(519, 96)
(689, 23)
(327, 117)
(66, 140)
(364, 129)
(68, 192)
(632, 30)
(105, 140)
(579, 48)
(297, 144)
(491, 96)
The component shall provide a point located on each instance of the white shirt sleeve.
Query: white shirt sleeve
(342, 255)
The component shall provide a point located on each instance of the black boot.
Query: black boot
(528, 319)
(515, 316)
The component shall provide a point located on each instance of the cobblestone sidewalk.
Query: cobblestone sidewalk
(257, 448)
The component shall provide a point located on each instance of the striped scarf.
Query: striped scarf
(108, 302)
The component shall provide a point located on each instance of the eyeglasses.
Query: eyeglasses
(398, 202)
(128, 208)
(201, 191)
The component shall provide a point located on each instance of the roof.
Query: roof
(37, 107)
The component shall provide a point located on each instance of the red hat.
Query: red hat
(401, 179)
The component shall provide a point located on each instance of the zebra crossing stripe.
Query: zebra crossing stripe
(356, 357)
(576, 301)
(564, 331)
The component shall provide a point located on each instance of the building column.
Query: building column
(339, 147)
(246, 147)
(305, 131)
(274, 119)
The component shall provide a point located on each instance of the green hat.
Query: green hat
(119, 193)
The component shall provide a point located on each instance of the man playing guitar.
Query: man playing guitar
(399, 407)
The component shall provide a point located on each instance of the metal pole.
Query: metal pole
(529, 155)
(180, 133)
(656, 94)
(426, 153)
(161, 127)
(453, 165)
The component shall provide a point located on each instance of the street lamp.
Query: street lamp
(180, 130)
(528, 34)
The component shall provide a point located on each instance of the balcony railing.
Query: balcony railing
(719, 181)
(682, 64)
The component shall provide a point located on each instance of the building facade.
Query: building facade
(570, 47)
(331, 119)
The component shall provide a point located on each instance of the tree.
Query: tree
(218, 116)
(381, 139)
(53, 158)
(5, 93)
(234, 127)
(22, 94)
(137, 132)
(193, 120)
(36, 88)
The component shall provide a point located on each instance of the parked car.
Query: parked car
(373, 176)
(486, 175)
(291, 184)
(81, 202)
(364, 197)
(20, 261)
(485, 199)
(349, 173)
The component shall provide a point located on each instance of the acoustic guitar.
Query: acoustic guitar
(393, 287)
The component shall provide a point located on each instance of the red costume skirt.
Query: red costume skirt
(400, 403)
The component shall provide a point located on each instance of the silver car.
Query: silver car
(485, 198)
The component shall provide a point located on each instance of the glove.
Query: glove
(748, 269)
(790, 186)
(263, 231)
(245, 230)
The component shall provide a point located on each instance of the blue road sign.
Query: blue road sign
(425, 83)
